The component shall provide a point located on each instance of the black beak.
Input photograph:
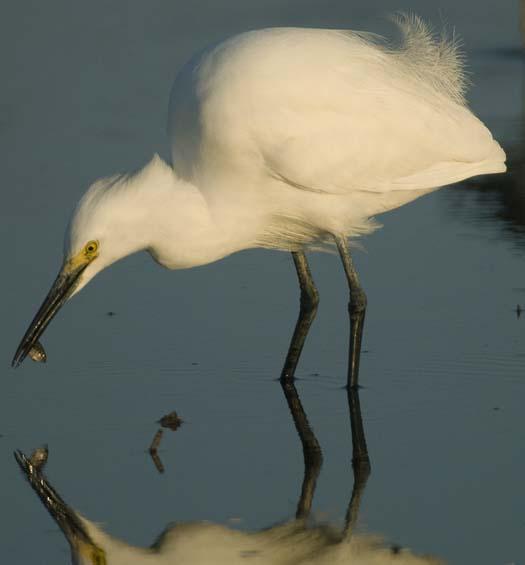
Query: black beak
(61, 290)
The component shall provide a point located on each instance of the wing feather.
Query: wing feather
(329, 111)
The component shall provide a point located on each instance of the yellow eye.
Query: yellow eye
(91, 247)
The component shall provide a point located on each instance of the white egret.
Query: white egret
(285, 138)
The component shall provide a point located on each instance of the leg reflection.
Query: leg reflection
(313, 457)
(360, 460)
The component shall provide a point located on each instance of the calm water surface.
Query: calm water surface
(85, 91)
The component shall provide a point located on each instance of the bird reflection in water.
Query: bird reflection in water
(296, 542)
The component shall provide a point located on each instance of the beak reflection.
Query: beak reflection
(64, 516)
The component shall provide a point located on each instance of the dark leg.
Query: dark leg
(356, 309)
(308, 309)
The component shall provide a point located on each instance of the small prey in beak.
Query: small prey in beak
(38, 353)
(64, 286)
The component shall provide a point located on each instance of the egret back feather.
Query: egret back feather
(436, 60)
(283, 137)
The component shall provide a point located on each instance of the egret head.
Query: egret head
(104, 227)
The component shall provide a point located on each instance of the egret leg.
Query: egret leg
(307, 311)
(356, 309)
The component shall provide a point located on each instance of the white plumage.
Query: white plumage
(287, 137)
(281, 137)
(326, 127)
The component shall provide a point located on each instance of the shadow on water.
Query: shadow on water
(299, 541)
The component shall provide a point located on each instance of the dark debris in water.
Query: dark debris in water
(153, 451)
(171, 421)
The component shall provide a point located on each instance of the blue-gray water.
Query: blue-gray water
(83, 95)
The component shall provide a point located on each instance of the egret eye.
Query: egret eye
(91, 247)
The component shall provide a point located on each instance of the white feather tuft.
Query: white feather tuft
(436, 60)
(291, 233)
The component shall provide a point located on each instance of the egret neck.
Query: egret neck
(156, 210)
(152, 209)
